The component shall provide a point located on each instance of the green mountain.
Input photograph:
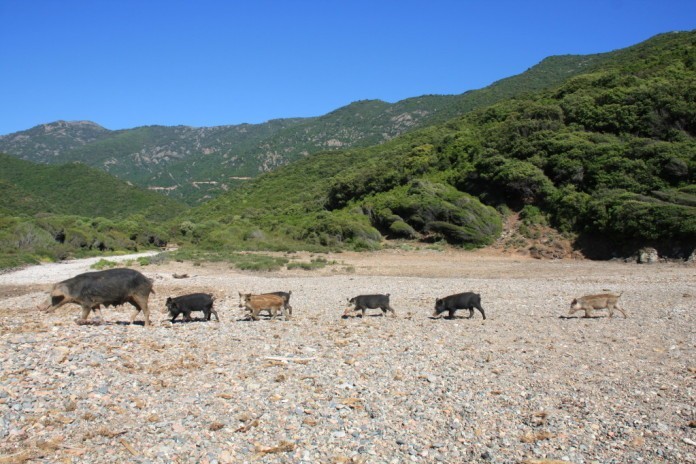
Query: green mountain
(58, 211)
(76, 189)
(195, 164)
(608, 156)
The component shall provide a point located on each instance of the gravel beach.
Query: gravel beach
(527, 385)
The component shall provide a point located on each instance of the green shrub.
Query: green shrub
(400, 229)
(342, 228)
(27, 237)
(104, 264)
(313, 264)
(630, 217)
(531, 215)
(429, 207)
(516, 182)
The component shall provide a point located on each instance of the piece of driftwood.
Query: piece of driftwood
(128, 446)
(287, 359)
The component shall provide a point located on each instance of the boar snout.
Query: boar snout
(45, 306)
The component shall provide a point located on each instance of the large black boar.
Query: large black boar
(452, 303)
(112, 287)
(185, 304)
(363, 302)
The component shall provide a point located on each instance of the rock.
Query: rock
(692, 257)
(647, 256)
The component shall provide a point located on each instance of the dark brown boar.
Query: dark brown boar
(111, 287)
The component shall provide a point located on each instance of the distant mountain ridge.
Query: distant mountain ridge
(195, 164)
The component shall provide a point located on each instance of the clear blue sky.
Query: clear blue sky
(128, 63)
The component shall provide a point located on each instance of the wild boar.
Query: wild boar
(111, 287)
(185, 304)
(257, 303)
(466, 300)
(286, 298)
(587, 303)
(363, 302)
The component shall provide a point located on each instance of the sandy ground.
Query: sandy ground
(528, 384)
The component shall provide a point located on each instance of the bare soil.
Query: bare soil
(528, 384)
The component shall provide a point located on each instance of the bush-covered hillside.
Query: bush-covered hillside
(78, 190)
(56, 211)
(609, 156)
(195, 164)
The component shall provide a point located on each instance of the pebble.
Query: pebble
(395, 393)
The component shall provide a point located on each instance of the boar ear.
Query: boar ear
(169, 300)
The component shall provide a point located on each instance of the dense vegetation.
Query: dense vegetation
(608, 156)
(52, 212)
(196, 164)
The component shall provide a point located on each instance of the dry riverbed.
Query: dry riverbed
(526, 385)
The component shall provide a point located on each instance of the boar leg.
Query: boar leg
(616, 306)
(133, 315)
(214, 313)
(140, 304)
(480, 308)
(85, 312)
(621, 309)
(98, 312)
(451, 313)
